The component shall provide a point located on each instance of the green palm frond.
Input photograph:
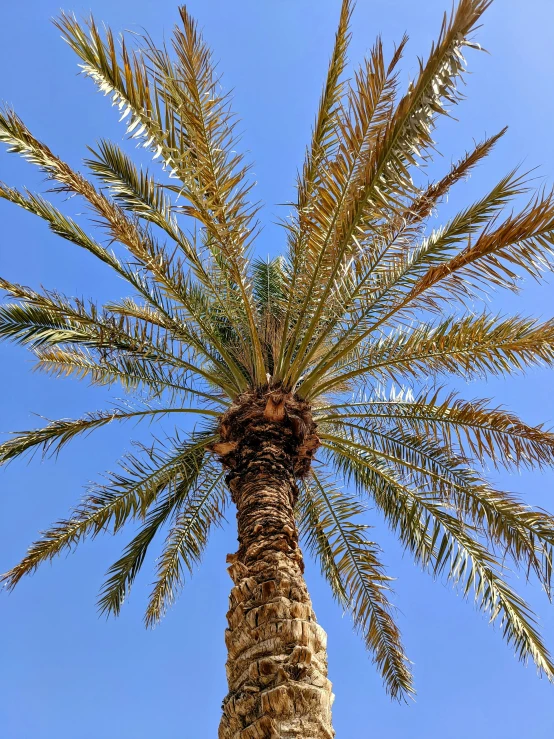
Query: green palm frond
(350, 563)
(205, 338)
(426, 461)
(49, 319)
(322, 148)
(324, 135)
(445, 544)
(360, 126)
(59, 224)
(127, 495)
(186, 542)
(70, 230)
(384, 173)
(132, 373)
(471, 346)
(270, 299)
(122, 228)
(369, 304)
(477, 430)
(195, 475)
(136, 190)
(190, 125)
(268, 287)
(496, 257)
(509, 527)
(53, 437)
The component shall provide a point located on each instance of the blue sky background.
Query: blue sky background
(64, 672)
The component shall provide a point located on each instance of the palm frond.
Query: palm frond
(471, 346)
(368, 107)
(270, 300)
(324, 135)
(127, 495)
(426, 461)
(409, 132)
(435, 192)
(53, 437)
(380, 293)
(61, 225)
(20, 140)
(322, 149)
(70, 230)
(119, 225)
(350, 563)
(185, 543)
(175, 108)
(136, 190)
(482, 432)
(121, 575)
(523, 242)
(50, 319)
(445, 544)
(385, 179)
(509, 527)
(132, 373)
(267, 285)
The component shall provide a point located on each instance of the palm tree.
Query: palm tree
(291, 365)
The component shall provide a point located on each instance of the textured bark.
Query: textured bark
(277, 659)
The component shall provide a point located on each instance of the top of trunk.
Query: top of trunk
(268, 413)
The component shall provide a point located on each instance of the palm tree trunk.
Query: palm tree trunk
(277, 658)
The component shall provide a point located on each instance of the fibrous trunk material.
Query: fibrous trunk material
(277, 658)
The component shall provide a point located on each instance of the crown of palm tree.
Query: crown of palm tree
(366, 297)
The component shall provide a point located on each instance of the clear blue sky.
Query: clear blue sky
(65, 673)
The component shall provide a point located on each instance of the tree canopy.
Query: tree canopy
(368, 303)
